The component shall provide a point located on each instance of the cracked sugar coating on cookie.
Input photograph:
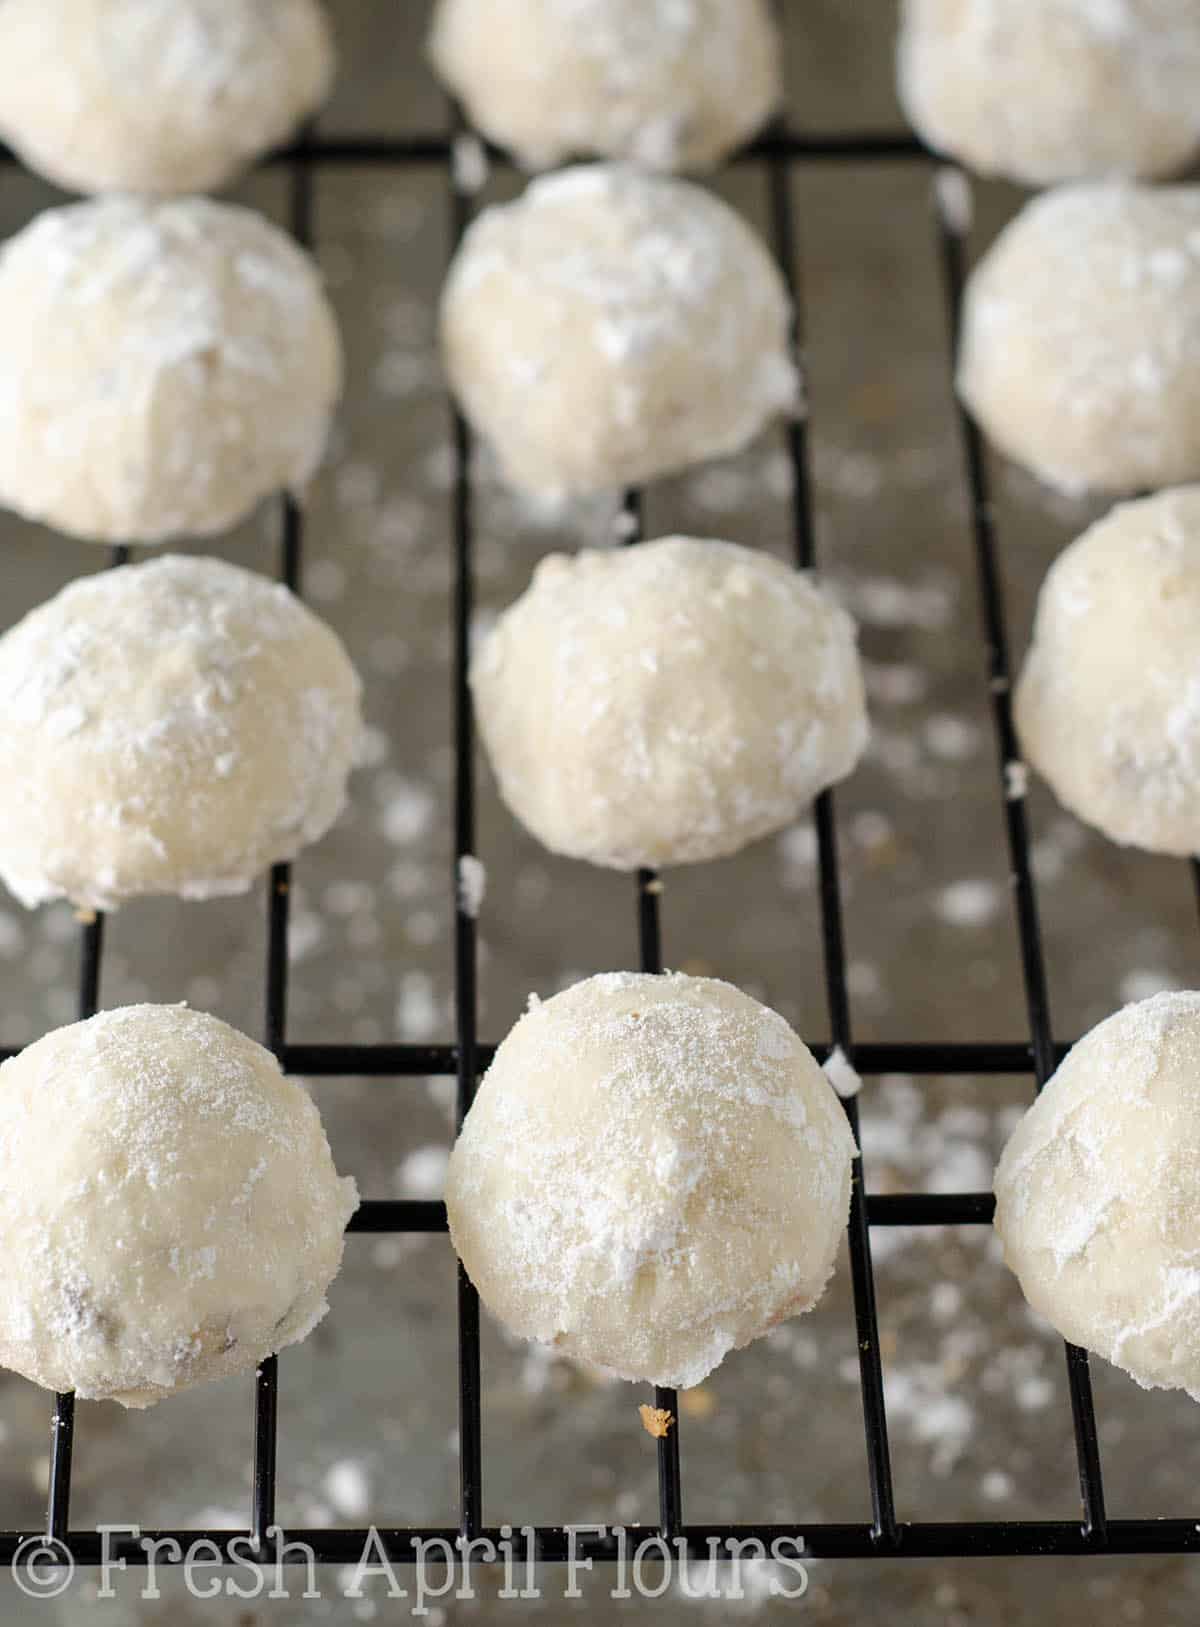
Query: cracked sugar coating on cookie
(673, 84)
(611, 326)
(163, 367)
(1108, 703)
(1097, 1195)
(1054, 90)
(655, 1171)
(169, 1209)
(157, 96)
(172, 727)
(668, 703)
(1080, 353)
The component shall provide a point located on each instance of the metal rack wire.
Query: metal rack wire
(775, 155)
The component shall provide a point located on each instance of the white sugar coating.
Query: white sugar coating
(1108, 703)
(611, 326)
(669, 703)
(169, 1209)
(671, 84)
(1054, 90)
(157, 96)
(163, 367)
(1080, 353)
(654, 1172)
(172, 727)
(1098, 1198)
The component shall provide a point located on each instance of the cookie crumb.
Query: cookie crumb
(656, 1421)
(85, 917)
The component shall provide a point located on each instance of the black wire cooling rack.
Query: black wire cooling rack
(774, 156)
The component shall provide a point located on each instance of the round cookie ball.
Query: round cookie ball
(1108, 703)
(611, 326)
(1080, 352)
(1098, 1197)
(665, 84)
(169, 1209)
(1054, 90)
(655, 1172)
(157, 96)
(173, 727)
(163, 367)
(668, 703)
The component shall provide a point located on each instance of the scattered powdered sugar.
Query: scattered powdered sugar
(953, 738)
(968, 903)
(887, 601)
(952, 192)
(949, 1153)
(468, 157)
(472, 884)
(1144, 984)
(417, 1007)
(346, 1486)
(895, 683)
(1016, 780)
(841, 1073)
(409, 808)
(918, 1395)
(423, 1173)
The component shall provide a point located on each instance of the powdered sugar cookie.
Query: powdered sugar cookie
(172, 727)
(655, 1172)
(157, 96)
(611, 326)
(163, 367)
(169, 1209)
(674, 84)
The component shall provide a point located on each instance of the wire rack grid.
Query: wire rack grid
(774, 155)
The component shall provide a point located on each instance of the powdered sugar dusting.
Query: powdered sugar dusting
(698, 694)
(157, 96)
(600, 1164)
(1095, 1193)
(1081, 337)
(673, 84)
(171, 1199)
(610, 326)
(173, 727)
(163, 367)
